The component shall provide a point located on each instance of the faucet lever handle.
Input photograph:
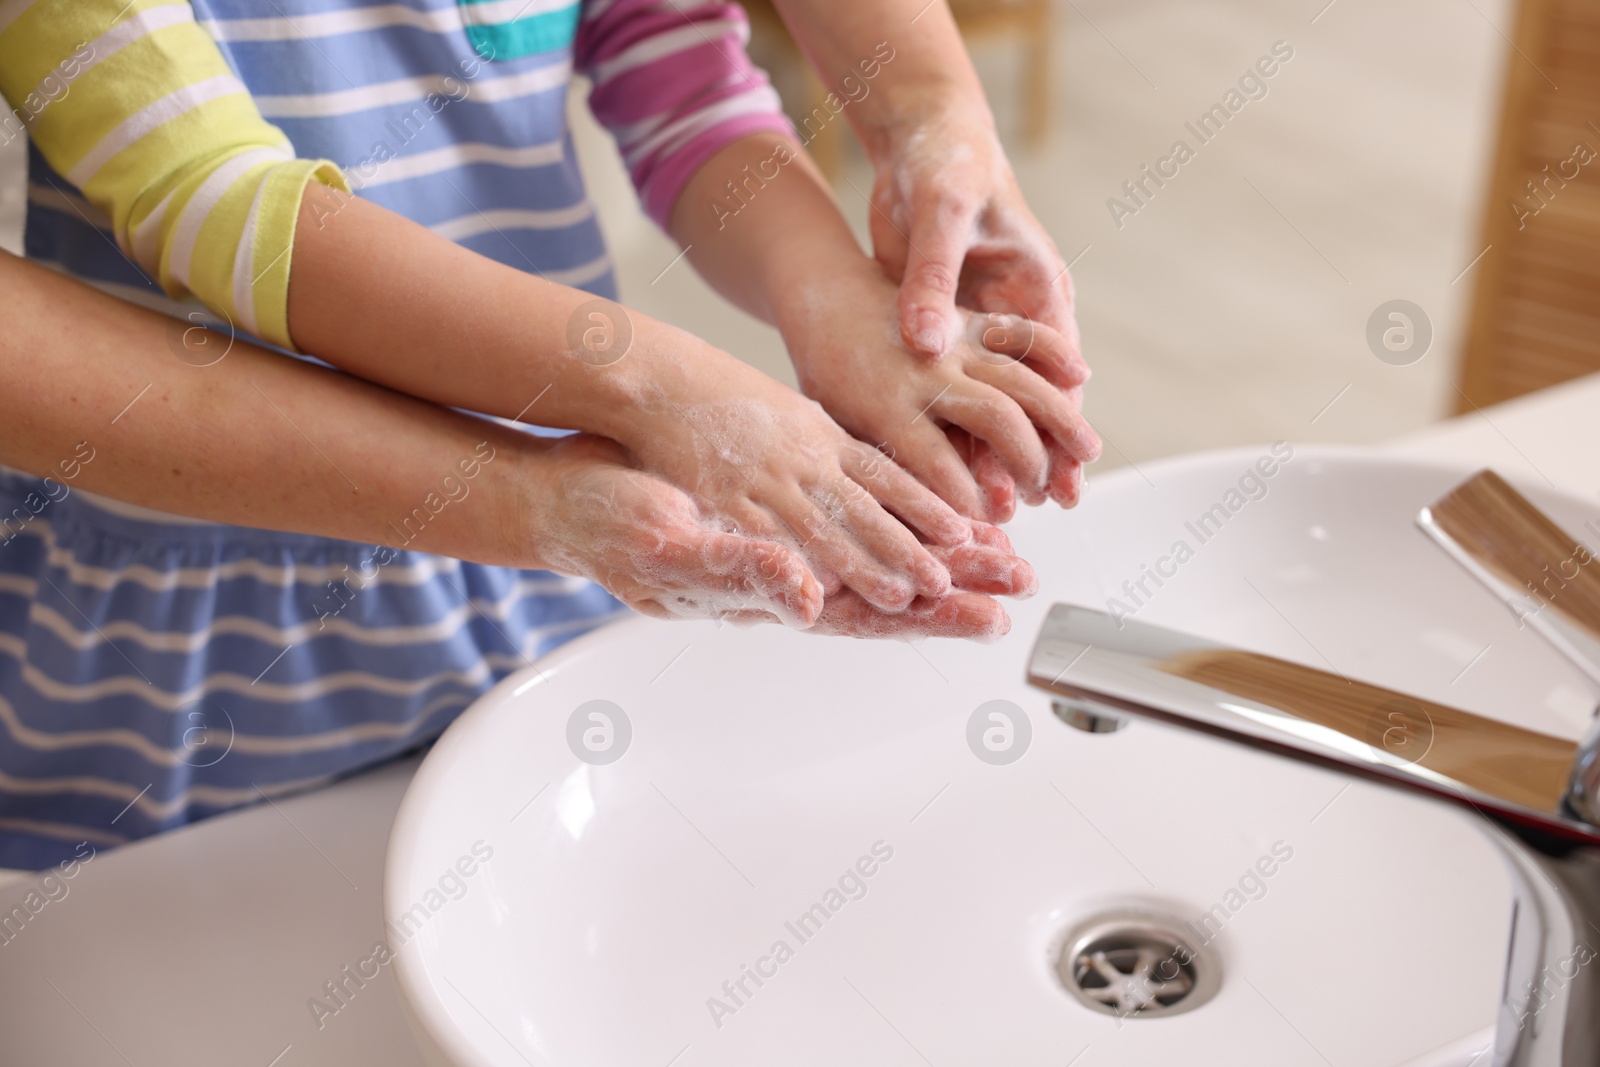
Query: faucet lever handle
(1129, 667)
(1547, 577)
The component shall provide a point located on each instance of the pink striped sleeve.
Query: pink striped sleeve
(673, 86)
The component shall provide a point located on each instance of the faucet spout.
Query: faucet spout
(1533, 794)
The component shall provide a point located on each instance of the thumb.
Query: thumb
(941, 233)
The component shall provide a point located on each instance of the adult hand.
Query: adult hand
(949, 222)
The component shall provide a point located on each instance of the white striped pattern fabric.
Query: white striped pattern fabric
(157, 114)
(134, 28)
(62, 833)
(332, 23)
(666, 44)
(511, 219)
(500, 12)
(410, 91)
(198, 208)
(10, 10)
(453, 157)
(581, 276)
(244, 262)
(759, 101)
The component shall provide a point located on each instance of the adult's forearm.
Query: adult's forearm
(930, 65)
(255, 439)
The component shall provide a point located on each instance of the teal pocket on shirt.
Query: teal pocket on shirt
(511, 29)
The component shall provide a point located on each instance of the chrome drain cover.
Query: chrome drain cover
(1136, 965)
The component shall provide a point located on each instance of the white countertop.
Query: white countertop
(1551, 436)
(205, 946)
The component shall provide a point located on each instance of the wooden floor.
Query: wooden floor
(1233, 306)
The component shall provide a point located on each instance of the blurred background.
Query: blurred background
(1234, 306)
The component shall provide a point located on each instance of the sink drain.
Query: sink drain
(1130, 964)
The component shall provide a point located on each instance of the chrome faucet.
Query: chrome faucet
(1536, 797)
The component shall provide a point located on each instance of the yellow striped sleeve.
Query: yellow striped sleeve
(134, 104)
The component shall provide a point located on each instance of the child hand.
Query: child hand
(999, 488)
(1009, 387)
(988, 564)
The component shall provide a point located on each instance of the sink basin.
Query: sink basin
(922, 863)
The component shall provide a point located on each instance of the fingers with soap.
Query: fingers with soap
(1048, 408)
(923, 449)
(990, 415)
(999, 488)
(821, 533)
(988, 565)
(920, 507)
(958, 614)
(645, 541)
(1066, 476)
(1047, 351)
(891, 541)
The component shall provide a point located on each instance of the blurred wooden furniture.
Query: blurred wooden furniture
(1536, 303)
(1026, 23)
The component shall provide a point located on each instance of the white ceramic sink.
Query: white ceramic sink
(764, 764)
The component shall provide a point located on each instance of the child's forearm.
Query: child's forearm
(448, 325)
(442, 323)
(255, 439)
